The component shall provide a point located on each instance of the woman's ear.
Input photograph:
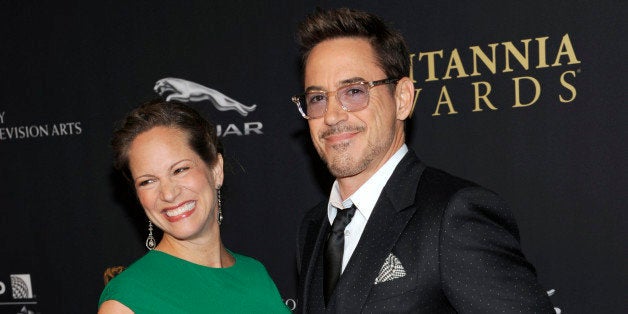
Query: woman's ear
(217, 171)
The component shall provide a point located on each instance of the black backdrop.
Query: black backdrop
(69, 71)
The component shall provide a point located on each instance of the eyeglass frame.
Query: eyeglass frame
(296, 98)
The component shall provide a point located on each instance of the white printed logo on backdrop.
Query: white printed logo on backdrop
(182, 90)
(21, 286)
(27, 131)
(18, 293)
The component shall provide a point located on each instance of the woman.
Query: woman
(173, 158)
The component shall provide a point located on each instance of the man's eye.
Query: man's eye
(181, 170)
(315, 98)
(354, 92)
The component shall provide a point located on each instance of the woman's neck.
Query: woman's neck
(211, 254)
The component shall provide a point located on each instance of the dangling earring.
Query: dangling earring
(220, 217)
(150, 241)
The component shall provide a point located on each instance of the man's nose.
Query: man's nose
(334, 112)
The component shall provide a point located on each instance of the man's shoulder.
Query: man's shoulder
(412, 169)
(317, 212)
(312, 220)
(445, 191)
(429, 175)
(440, 178)
(436, 185)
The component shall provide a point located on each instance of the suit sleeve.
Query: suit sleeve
(482, 267)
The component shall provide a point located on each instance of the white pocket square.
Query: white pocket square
(392, 269)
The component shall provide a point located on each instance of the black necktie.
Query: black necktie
(334, 248)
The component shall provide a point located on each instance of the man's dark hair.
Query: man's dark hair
(388, 44)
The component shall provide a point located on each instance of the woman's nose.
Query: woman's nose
(169, 190)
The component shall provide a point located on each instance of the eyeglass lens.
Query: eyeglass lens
(352, 97)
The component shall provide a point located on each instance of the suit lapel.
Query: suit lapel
(316, 231)
(390, 215)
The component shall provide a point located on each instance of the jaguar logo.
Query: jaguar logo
(187, 91)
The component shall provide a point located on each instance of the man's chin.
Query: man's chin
(344, 170)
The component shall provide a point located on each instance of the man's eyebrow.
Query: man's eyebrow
(352, 80)
(342, 83)
(314, 88)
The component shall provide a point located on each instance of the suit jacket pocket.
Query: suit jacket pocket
(399, 298)
(392, 288)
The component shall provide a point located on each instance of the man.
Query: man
(395, 235)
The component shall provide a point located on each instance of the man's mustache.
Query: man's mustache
(342, 128)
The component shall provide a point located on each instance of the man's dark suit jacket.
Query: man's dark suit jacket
(458, 243)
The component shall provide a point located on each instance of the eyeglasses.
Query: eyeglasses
(352, 97)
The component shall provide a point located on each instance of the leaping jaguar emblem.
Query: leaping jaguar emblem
(187, 91)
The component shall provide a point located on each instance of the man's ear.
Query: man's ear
(404, 98)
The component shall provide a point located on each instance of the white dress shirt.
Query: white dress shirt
(364, 199)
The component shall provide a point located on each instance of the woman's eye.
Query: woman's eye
(145, 182)
(180, 170)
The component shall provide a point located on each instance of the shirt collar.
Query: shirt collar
(368, 194)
